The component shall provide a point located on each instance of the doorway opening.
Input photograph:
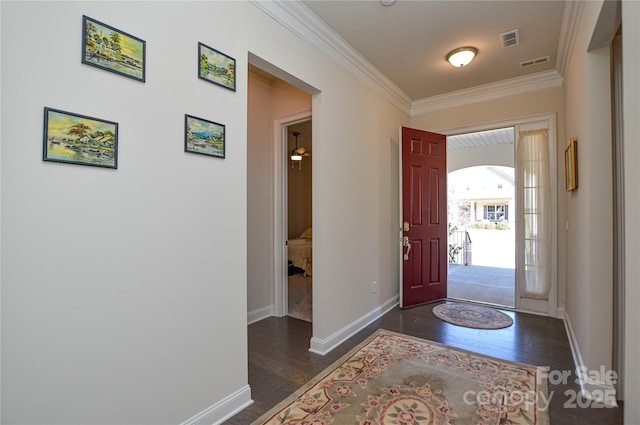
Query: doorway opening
(298, 207)
(481, 217)
(276, 100)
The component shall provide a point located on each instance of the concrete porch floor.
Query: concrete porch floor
(491, 285)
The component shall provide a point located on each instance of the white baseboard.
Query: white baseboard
(323, 346)
(590, 389)
(259, 314)
(224, 409)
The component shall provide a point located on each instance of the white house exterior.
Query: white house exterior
(481, 194)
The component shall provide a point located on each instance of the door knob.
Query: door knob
(406, 242)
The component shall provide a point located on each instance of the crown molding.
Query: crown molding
(568, 33)
(493, 91)
(299, 19)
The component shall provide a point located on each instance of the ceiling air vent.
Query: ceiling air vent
(532, 62)
(510, 38)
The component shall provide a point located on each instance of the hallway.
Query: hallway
(280, 361)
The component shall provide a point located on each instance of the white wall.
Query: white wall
(267, 100)
(631, 70)
(589, 236)
(121, 286)
(492, 111)
(355, 204)
(124, 292)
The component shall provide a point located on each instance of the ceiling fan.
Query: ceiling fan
(298, 152)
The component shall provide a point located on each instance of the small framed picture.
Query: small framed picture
(79, 139)
(204, 137)
(571, 165)
(108, 48)
(216, 67)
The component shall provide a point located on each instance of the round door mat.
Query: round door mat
(472, 316)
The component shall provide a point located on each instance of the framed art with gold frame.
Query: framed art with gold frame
(571, 165)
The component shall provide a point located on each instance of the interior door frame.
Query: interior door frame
(280, 202)
(400, 222)
(552, 309)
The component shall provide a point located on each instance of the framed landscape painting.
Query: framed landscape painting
(108, 48)
(204, 137)
(79, 139)
(216, 67)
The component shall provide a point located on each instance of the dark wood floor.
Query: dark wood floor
(280, 361)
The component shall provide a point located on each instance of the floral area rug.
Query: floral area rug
(472, 316)
(395, 379)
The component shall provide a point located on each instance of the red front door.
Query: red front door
(424, 217)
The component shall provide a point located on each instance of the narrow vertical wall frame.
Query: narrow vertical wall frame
(571, 165)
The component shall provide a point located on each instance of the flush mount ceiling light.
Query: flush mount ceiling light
(462, 56)
(387, 2)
